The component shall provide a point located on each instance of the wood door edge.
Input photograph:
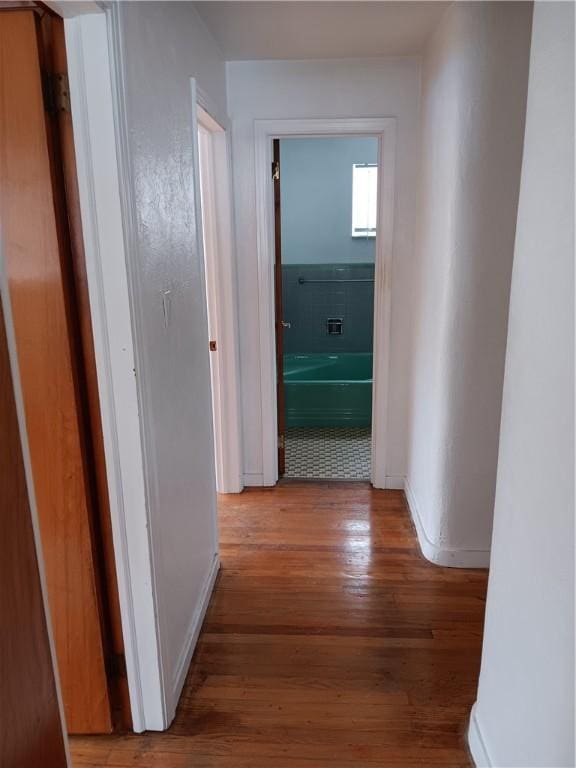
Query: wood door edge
(82, 340)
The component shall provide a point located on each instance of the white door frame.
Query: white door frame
(90, 70)
(221, 297)
(384, 129)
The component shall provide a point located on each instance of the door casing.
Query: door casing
(220, 273)
(265, 131)
(93, 67)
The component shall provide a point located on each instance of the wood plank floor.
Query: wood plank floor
(329, 641)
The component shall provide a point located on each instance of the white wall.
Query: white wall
(524, 715)
(308, 89)
(473, 105)
(160, 47)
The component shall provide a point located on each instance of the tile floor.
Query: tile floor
(328, 453)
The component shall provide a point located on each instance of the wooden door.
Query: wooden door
(37, 255)
(278, 305)
(61, 135)
(31, 733)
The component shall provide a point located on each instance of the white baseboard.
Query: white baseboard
(181, 669)
(476, 742)
(231, 490)
(439, 554)
(392, 482)
(253, 480)
(395, 482)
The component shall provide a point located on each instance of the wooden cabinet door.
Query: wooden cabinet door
(31, 732)
(39, 287)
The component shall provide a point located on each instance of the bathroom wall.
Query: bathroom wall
(524, 715)
(307, 306)
(316, 195)
(347, 88)
(317, 245)
(475, 78)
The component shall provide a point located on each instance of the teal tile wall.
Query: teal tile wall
(307, 307)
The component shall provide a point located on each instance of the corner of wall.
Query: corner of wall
(476, 742)
(439, 553)
(394, 483)
(185, 658)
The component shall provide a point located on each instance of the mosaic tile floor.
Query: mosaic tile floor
(328, 453)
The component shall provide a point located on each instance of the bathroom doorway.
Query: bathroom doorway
(325, 226)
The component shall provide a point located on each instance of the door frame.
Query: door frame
(90, 70)
(384, 129)
(221, 296)
(96, 67)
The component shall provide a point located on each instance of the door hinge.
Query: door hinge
(116, 665)
(276, 170)
(281, 442)
(56, 92)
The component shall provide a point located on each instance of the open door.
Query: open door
(42, 243)
(280, 324)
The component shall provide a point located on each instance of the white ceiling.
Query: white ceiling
(319, 30)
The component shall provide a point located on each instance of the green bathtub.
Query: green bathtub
(328, 390)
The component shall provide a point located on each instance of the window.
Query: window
(364, 199)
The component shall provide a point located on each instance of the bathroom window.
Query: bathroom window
(364, 199)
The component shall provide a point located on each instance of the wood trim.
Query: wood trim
(384, 128)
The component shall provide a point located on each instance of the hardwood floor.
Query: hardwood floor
(329, 641)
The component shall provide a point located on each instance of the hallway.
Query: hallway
(329, 641)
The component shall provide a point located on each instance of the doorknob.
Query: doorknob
(285, 324)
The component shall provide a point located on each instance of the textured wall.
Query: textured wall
(163, 45)
(316, 195)
(473, 102)
(525, 707)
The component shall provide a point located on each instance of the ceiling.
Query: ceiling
(319, 30)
